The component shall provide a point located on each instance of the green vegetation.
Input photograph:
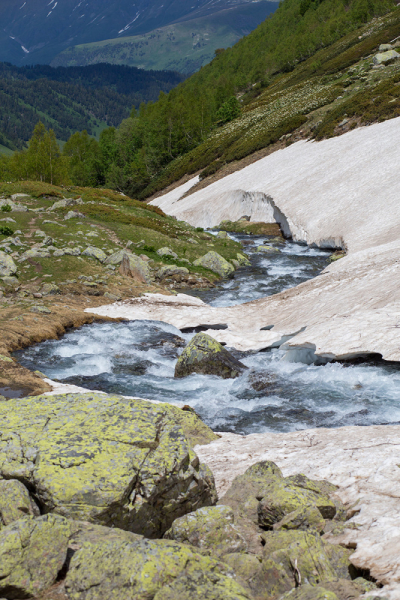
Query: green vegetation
(307, 71)
(72, 99)
(106, 220)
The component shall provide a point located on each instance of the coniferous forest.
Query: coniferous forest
(70, 99)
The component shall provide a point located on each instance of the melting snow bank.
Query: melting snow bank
(340, 192)
(362, 461)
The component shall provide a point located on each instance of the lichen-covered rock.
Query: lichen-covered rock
(385, 58)
(15, 502)
(269, 249)
(215, 262)
(93, 252)
(35, 253)
(195, 430)
(15, 206)
(118, 462)
(310, 592)
(32, 552)
(205, 355)
(65, 202)
(133, 266)
(50, 289)
(250, 574)
(245, 490)
(151, 569)
(57, 253)
(300, 554)
(321, 487)
(7, 265)
(283, 497)
(242, 260)
(116, 257)
(73, 214)
(211, 529)
(305, 517)
(222, 235)
(243, 497)
(71, 252)
(172, 271)
(167, 252)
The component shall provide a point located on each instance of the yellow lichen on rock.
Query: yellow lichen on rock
(105, 459)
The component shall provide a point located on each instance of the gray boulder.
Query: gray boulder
(135, 267)
(105, 459)
(215, 262)
(167, 252)
(385, 58)
(7, 265)
(93, 252)
(211, 529)
(153, 569)
(32, 552)
(206, 356)
(177, 273)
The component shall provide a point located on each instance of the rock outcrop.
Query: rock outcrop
(7, 265)
(105, 459)
(206, 356)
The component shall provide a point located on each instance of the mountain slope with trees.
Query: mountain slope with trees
(71, 99)
(308, 71)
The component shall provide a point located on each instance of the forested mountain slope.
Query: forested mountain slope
(268, 85)
(72, 99)
(34, 31)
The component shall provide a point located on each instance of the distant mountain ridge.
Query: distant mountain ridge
(184, 46)
(36, 31)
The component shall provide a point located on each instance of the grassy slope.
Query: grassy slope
(182, 47)
(335, 83)
(115, 219)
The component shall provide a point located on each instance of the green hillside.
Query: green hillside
(72, 99)
(308, 71)
(182, 47)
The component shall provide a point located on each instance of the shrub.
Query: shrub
(229, 110)
(6, 208)
(5, 230)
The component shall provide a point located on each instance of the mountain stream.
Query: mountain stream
(138, 359)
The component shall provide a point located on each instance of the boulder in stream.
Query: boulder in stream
(215, 262)
(206, 356)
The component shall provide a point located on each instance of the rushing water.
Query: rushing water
(138, 359)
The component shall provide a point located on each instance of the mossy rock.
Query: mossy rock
(305, 517)
(301, 554)
(211, 529)
(310, 592)
(105, 459)
(32, 552)
(151, 569)
(206, 356)
(15, 502)
(283, 497)
(216, 263)
(7, 265)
